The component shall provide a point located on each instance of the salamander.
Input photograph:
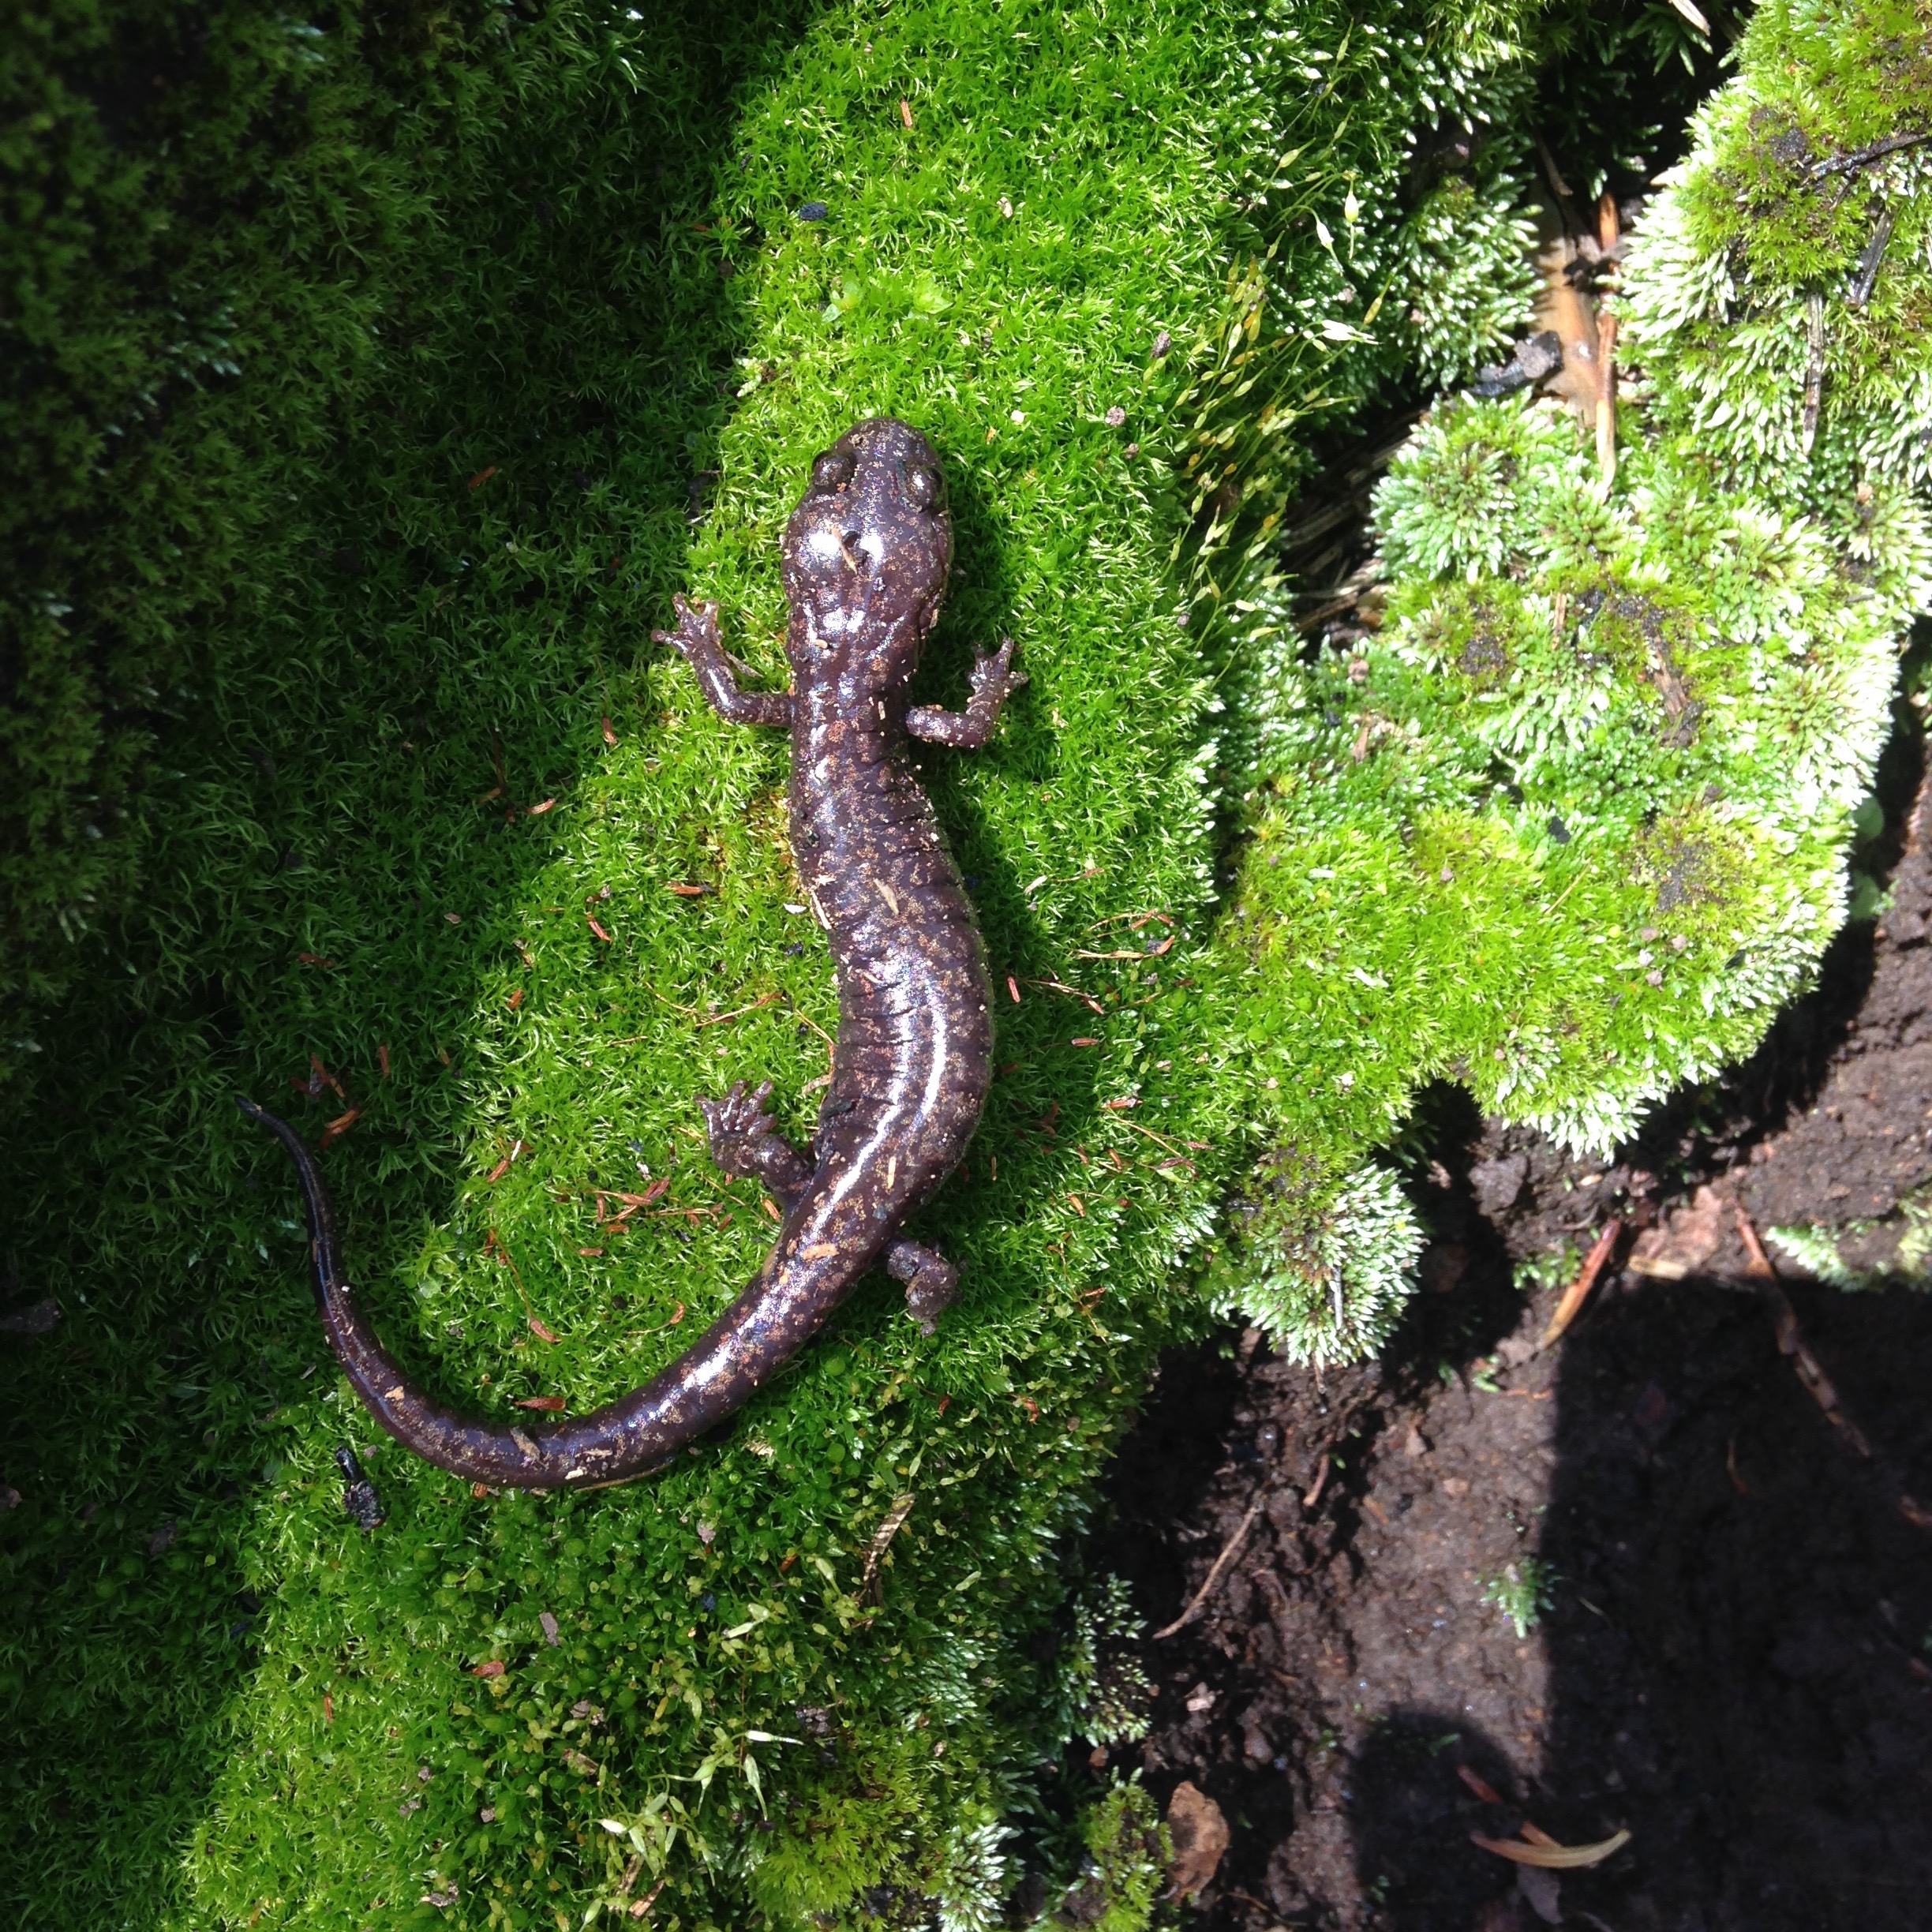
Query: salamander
(866, 555)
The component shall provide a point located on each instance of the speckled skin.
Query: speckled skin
(867, 555)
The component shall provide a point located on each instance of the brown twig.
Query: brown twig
(1086, 999)
(1792, 1345)
(805, 1019)
(767, 999)
(1221, 1563)
(1606, 396)
(1577, 1293)
(1864, 157)
(1814, 370)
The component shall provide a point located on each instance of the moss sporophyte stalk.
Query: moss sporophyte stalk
(531, 336)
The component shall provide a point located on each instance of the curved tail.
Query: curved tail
(785, 1305)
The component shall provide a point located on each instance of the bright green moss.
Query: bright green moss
(1571, 826)
(420, 822)
(1761, 252)
(1120, 1865)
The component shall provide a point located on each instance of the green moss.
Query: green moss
(426, 742)
(1120, 1855)
(1760, 252)
(1572, 824)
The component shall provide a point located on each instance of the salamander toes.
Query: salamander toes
(735, 1121)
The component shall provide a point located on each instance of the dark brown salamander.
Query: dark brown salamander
(867, 555)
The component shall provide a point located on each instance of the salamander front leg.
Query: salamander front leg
(745, 1144)
(993, 681)
(696, 640)
(932, 1282)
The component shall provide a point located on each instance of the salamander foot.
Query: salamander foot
(745, 1143)
(932, 1282)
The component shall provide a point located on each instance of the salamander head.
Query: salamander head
(867, 550)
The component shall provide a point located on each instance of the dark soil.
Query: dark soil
(1734, 1661)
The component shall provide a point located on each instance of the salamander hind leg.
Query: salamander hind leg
(745, 1143)
(932, 1282)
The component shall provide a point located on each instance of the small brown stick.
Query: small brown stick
(1315, 1489)
(1810, 1370)
(768, 999)
(1792, 1345)
(1849, 163)
(1814, 370)
(1866, 278)
(1235, 1542)
(1152, 951)
(1608, 234)
(1135, 920)
(1609, 229)
(1606, 395)
(1759, 1264)
(1086, 999)
(1577, 1293)
(805, 1019)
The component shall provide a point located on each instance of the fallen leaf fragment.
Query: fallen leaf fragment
(328, 1708)
(516, 999)
(610, 737)
(536, 811)
(598, 930)
(382, 1060)
(905, 115)
(501, 1169)
(550, 1404)
(1552, 1857)
(540, 1330)
(685, 891)
(492, 1666)
(482, 476)
(550, 1631)
(340, 1125)
(888, 1529)
(1479, 1784)
(1200, 1834)
(315, 958)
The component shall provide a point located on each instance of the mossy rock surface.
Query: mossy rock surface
(1571, 825)
(416, 848)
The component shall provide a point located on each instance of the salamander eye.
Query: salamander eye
(924, 488)
(833, 471)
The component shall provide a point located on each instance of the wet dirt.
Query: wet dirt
(1723, 1580)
